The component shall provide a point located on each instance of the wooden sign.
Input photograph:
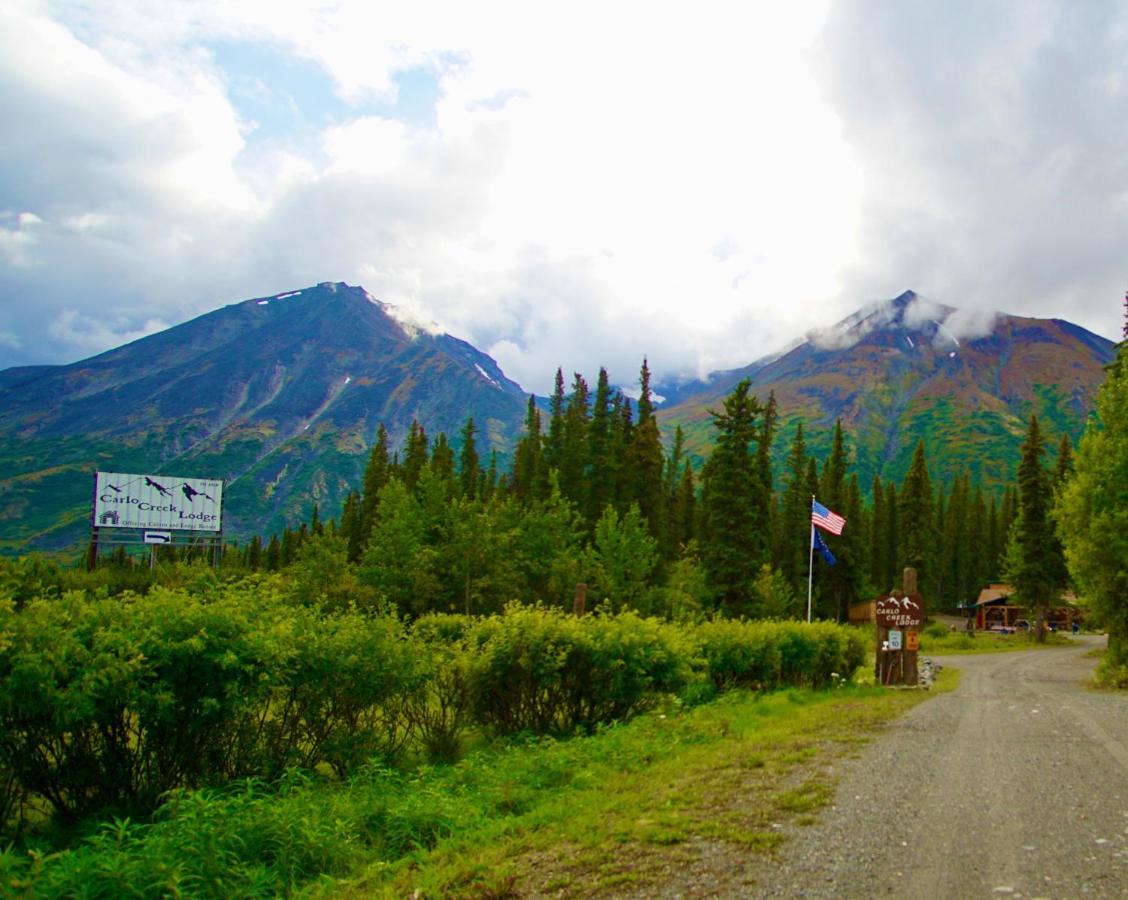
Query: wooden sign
(899, 611)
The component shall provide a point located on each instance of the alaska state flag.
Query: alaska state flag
(821, 546)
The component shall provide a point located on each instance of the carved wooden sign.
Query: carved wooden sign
(899, 611)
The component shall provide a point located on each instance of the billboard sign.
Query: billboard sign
(157, 501)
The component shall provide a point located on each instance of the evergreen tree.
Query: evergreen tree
(289, 547)
(573, 457)
(376, 474)
(1031, 567)
(554, 440)
(441, 462)
(879, 550)
(530, 479)
(993, 550)
(350, 527)
(793, 536)
(892, 579)
(622, 558)
(603, 469)
(683, 519)
(977, 547)
(733, 504)
(644, 461)
(273, 554)
(490, 485)
(1092, 515)
(672, 537)
(915, 519)
(769, 421)
(315, 525)
(469, 468)
(415, 455)
(398, 563)
(254, 554)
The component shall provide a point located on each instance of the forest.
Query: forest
(594, 496)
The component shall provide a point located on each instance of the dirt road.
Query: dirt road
(1015, 784)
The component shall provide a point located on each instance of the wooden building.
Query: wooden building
(995, 608)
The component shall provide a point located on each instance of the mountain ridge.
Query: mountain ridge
(282, 396)
(894, 371)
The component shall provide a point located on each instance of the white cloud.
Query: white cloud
(698, 187)
(95, 334)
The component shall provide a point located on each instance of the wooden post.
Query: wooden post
(92, 551)
(580, 600)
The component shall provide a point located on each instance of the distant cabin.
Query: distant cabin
(996, 608)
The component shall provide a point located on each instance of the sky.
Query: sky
(563, 185)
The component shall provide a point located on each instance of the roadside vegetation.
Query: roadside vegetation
(217, 741)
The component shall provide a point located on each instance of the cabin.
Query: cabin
(995, 609)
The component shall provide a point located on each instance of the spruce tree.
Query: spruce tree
(684, 515)
(603, 469)
(892, 576)
(441, 462)
(1092, 515)
(916, 540)
(376, 474)
(273, 554)
(879, 563)
(554, 440)
(529, 477)
(672, 538)
(574, 448)
(793, 534)
(1031, 567)
(254, 554)
(733, 502)
(350, 527)
(644, 460)
(415, 455)
(469, 468)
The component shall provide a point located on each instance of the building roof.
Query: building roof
(996, 592)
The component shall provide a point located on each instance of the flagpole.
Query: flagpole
(810, 570)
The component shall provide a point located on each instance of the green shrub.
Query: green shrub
(740, 654)
(768, 655)
(108, 703)
(538, 670)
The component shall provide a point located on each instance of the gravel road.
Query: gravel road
(1015, 784)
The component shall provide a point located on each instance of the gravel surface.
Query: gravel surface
(1014, 785)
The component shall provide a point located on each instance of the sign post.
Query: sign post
(899, 617)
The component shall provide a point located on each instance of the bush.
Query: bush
(108, 703)
(538, 670)
(769, 655)
(740, 654)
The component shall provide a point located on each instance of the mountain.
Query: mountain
(281, 396)
(908, 369)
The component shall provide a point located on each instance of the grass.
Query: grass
(616, 811)
(959, 643)
(629, 805)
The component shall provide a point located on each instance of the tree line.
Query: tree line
(595, 496)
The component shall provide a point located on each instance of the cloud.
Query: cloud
(992, 144)
(94, 334)
(684, 190)
(969, 324)
(734, 181)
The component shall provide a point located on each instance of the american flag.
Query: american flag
(824, 518)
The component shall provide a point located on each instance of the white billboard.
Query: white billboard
(157, 501)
